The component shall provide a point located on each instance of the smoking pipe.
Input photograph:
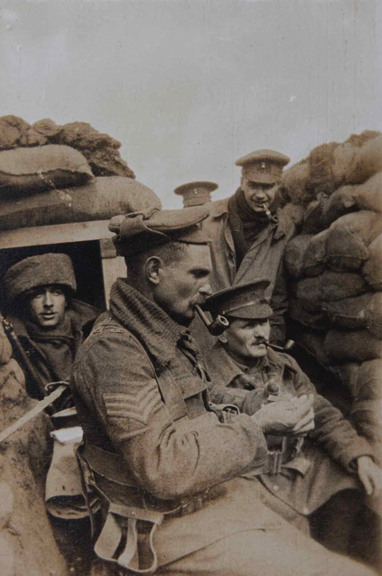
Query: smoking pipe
(216, 326)
(288, 345)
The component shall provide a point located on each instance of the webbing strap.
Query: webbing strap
(107, 464)
(129, 557)
(115, 535)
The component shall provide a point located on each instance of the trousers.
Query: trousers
(258, 553)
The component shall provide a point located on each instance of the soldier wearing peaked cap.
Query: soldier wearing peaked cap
(195, 193)
(318, 467)
(165, 468)
(249, 234)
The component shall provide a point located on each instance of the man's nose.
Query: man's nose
(48, 300)
(206, 289)
(260, 194)
(260, 331)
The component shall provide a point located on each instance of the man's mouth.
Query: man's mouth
(262, 204)
(260, 342)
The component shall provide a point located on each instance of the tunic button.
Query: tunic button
(305, 511)
(275, 487)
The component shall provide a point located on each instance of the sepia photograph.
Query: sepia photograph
(190, 287)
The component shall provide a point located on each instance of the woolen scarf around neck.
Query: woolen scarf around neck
(148, 322)
(245, 224)
(57, 344)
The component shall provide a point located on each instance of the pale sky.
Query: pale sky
(190, 86)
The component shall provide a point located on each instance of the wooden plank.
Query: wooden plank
(55, 234)
(112, 268)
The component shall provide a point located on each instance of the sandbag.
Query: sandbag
(368, 196)
(315, 254)
(343, 157)
(294, 254)
(313, 216)
(361, 312)
(328, 287)
(321, 161)
(367, 162)
(314, 320)
(100, 200)
(341, 202)
(372, 269)
(14, 132)
(373, 314)
(352, 346)
(293, 180)
(293, 212)
(314, 344)
(308, 292)
(349, 237)
(340, 285)
(349, 313)
(32, 170)
(347, 373)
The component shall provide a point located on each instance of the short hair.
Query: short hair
(169, 252)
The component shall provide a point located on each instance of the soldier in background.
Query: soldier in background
(248, 237)
(196, 193)
(167, 467)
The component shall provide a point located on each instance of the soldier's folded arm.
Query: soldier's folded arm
(168, 459)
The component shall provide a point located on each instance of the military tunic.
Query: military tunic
(330, 450)
(264, 259)
(175, 448)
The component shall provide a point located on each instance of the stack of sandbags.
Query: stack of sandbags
(335, 271)
(52, 174)
(100, 150)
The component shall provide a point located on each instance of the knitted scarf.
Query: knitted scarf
(245, 224)
(57, 344)
(153, 327)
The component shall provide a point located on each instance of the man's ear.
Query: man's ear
(152, 269)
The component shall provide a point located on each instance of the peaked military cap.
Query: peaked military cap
(242, 301)
(140, 231)
(263, 166)
(196, 193)
(39, 270)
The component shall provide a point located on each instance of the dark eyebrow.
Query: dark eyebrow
(200, 271)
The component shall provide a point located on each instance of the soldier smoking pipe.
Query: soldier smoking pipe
(216, 326)
(288, 345)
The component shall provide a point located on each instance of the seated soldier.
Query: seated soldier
(325, 456)
(48, 321)
(48, 328)
(167, 470)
